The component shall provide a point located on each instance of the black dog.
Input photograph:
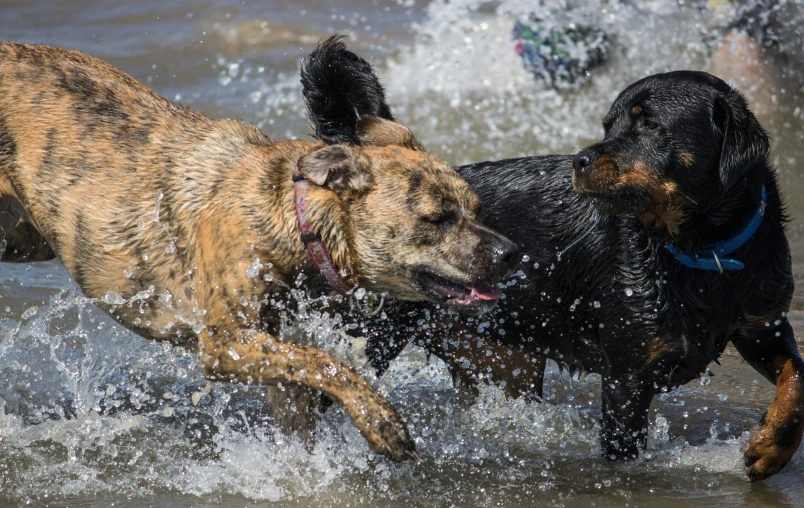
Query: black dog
(648, 252)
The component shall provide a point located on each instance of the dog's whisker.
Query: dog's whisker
(693, 201)
(568, 247)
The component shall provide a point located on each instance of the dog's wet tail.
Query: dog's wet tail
(338, 87)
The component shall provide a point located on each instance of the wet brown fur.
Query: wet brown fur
(657, 349)
(687, 160)
(778, 435)
(370, 133)
(135, 193)
(480, 360)
(663, 209)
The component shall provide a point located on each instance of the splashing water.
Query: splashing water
(90, 411)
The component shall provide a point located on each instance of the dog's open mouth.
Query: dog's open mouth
(453, 293)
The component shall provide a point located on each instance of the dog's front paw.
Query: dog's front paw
(771, 447)
(386, 432)
(394, 441)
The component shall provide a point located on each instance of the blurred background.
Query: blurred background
(91, 414)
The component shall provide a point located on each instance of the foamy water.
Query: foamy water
(92, 414)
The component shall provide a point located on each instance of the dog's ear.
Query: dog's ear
(337, 167)
(745, 143)
(376, 131)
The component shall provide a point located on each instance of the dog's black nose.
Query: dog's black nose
(506, 253)
(582, 160)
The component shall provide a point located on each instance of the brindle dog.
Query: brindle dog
(135, 193)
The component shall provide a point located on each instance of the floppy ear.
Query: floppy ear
(376, 131)
(745, 142)
(336, 167)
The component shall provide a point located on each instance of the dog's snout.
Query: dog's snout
(506, 253)
(582, 160)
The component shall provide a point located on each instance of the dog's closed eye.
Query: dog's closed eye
(442, 217)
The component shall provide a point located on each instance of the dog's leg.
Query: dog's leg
(625, 403)
(383, 346)
(260, 358)
(518, 373)
(468, 360)
(20, 242)
(295, 410)
(778, 435)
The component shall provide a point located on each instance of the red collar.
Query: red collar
(315, 247)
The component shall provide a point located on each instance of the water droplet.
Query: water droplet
(254, 269)
(596, 304)
(234, 354)
(112, 298)
(629, 292)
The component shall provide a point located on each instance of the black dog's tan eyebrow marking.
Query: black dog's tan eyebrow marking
(607, 120)
(636, 109)
(687, 159)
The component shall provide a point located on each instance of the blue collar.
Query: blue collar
(709, 257)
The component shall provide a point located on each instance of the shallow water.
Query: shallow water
(91, 414)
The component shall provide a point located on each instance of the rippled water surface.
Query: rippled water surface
(91, 414)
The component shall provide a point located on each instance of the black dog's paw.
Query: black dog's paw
(617, 446)
(771, 446)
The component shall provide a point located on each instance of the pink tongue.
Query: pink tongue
(487, 293)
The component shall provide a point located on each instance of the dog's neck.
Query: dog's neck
(335, 233)
(325, 212)
(722, 217)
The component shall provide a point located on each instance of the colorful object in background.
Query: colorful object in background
(561, 55)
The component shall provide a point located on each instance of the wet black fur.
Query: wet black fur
(337, 84)
(606, 299)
